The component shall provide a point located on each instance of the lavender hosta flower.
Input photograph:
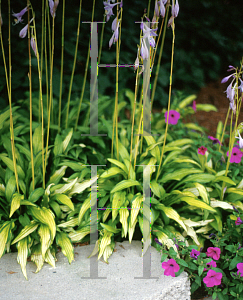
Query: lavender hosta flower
(115, 35)
(53, 7)
(33, 45)
(240, 140)
(20, 15)
(24, 30)
(108, 9)
(136, 64)
(157, 241)
(144, 50)
(175, 8)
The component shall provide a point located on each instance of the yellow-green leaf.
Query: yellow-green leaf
(45, 216)
(78, 235)
(112, 172)
(198, 203)
(125, 184)
(15, 204)
(65, 200)
(67, 248)
(136, 203)
(66, 187)
(49, 258)
(187, 101)
(45, 238)
(80, 187)
(124, 213)
(67, 140)
(118, 163)
(22, 247)
(36, 257)
(28, 229)
(4, 232)
(37, 140)
(105, 240)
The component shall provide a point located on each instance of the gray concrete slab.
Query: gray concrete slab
(66, 282)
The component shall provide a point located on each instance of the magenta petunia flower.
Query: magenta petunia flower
(194, 107)
(213, 278)
(173, 118)
(170, 267)
(215, 140)
(213, 252)
(238, 221)
(194, 254)
(236, 155)
(212, 263)
(240, 269)
(202, 150)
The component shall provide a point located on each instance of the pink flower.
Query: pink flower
(213, 252)
(238, 221)
(202, 150)
(215, 141)
(235, 155)
(240, 269)
(194, 107)
(212, 263)
(213, 278)
(194, 253)
(173, 118)
(170, 267)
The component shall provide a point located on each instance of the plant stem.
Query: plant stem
(9, 85)
(86, 71)
(171, 71)
(74, 63)
(61, 76)
(30, 99)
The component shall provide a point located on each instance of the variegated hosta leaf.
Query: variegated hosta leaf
(135, 208)
(45, 216)
(222, 204)
(55, 178)
(64, 199)
(66, 187)
(37, 257)
(118, 201)
(204, 229)
(106, 240)
(202, 192)
(15, 204)
(191, 232)
(240, 185)
(67, 140)
(5, 230)
(27, 230)
(191, 223)
(80, 187)
(96, 249)
(106, 214)
(112, 172)
(108, 251)
(78, 235)
(157, 189)
(67, 248)
(124, 213)
(119, 164)
(124, 184)
(172, 214)
(131, 229)
(49, 258)
(45, 238)
(71, 223)
(88, 203)
(22, 247)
